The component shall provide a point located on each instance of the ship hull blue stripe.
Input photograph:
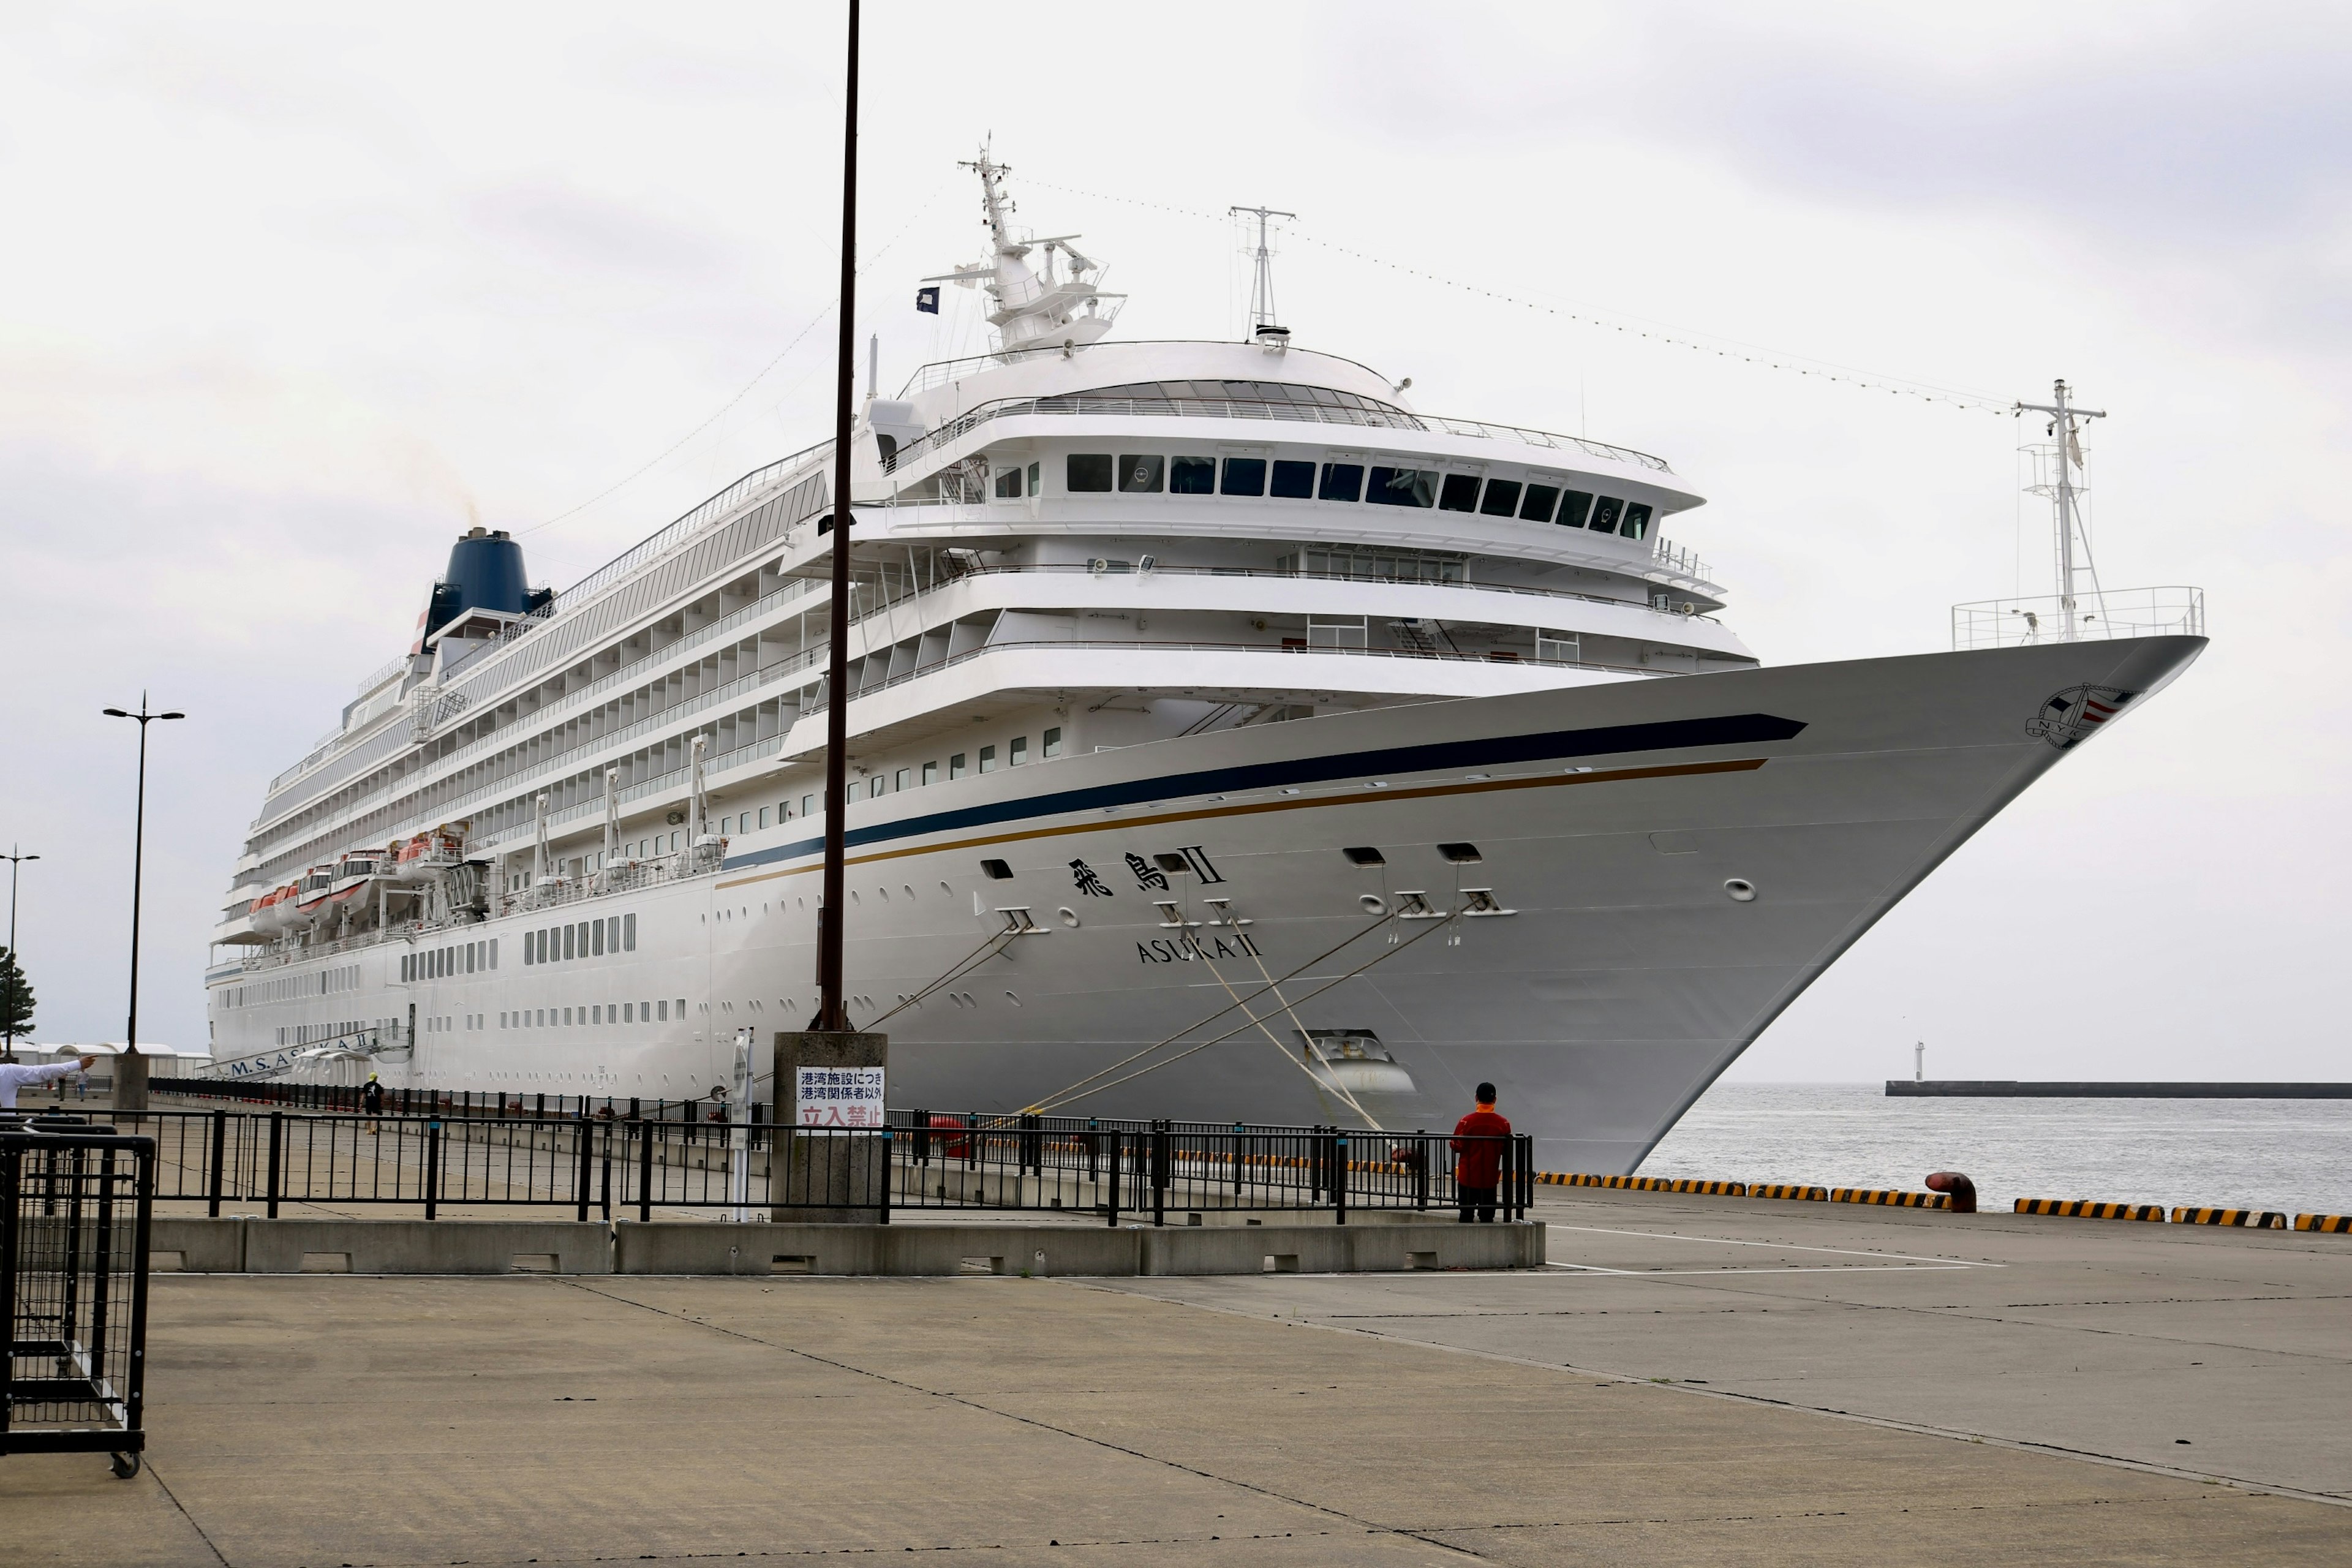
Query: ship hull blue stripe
(1615, 740)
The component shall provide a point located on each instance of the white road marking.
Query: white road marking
(1818, 1268)
(1775, 1246)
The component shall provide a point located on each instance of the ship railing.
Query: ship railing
(2096, 614)
(879, 599)
(1255, 409)
(767, 477)
(813, 701)
(768, 603)
(443, 1153)
(817, 703)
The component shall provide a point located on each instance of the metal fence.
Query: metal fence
(74, 1210)
(630, 1159)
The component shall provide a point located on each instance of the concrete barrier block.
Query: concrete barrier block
(694, 1247)
(426, 1247)
(1042, 1251)
(1340, 1249)
(196, 1246)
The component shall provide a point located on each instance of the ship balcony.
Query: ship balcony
(2092, 615)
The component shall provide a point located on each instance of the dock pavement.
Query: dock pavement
(1689, 1381)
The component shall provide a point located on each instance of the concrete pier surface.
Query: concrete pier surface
(1829, 1367)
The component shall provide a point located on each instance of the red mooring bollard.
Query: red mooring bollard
(1963, 1191)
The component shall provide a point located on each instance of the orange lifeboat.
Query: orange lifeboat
(271, 912)
(429, 856)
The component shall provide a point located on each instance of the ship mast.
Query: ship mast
(1032, 307)
(2064, 495)
(1262, 314)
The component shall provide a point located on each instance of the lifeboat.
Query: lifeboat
(429, 856)
(360, 864)
(310, 894)
(273, 910)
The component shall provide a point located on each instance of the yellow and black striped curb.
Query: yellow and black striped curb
(1890, 1198)
(1788, 1190)
(2257, 1219)
(1643, 1184)
(2084, 1208)
(2339, 1223)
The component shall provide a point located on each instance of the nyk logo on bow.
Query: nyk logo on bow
(2074, 714)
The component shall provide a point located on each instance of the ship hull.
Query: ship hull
(1661, 867)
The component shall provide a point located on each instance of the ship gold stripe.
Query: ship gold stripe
(1424, 792)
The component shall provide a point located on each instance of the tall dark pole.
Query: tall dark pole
(15, 858)
(831, 1011)
(138, 856)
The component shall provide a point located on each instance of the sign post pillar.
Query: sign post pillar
(830, 1161)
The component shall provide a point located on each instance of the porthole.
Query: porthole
(1373, 904)
(1741, 890)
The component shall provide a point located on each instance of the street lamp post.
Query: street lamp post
(15, 858)
(138, 869)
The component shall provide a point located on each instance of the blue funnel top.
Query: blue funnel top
(485, 573)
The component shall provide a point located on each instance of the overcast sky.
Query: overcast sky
(289, 295)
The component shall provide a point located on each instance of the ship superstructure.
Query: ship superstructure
(1229, 738)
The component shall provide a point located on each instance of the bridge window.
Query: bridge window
(1540, 499)
(1637, 521)
(1606, 512)
(1141, 476)
(1008, 485)
(1191, 476)
(1574, 509)
(1460, 494)
(1088, 471)
(1246, 475)
(1294, 481)
(1342, 482)
(1402, 487)
(1502, 498)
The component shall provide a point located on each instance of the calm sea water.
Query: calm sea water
(2294, 1155)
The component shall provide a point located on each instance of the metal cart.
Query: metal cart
(75, 1205)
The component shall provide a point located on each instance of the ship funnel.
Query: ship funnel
(485, 573)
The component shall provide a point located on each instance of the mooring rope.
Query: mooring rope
(996, 944)
(1204, 1023)
(1068, 1096)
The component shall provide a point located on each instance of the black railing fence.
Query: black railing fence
(74, 1212)
(631, 1158)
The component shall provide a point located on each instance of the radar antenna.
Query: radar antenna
(1261, 316)
(2065, 459)
(1033, 308)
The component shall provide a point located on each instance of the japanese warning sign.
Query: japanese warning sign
(838, 1097)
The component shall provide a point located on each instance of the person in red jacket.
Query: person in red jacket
(1478, 1145)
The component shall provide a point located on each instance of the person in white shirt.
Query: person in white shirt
(13, 1076)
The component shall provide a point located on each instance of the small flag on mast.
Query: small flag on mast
(927, 299)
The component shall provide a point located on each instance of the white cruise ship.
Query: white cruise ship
(1230, 741)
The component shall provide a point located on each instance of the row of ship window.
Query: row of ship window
(440, 962)
(1371, 484)
(986, 759)
(579, 939)
(601, 1013)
